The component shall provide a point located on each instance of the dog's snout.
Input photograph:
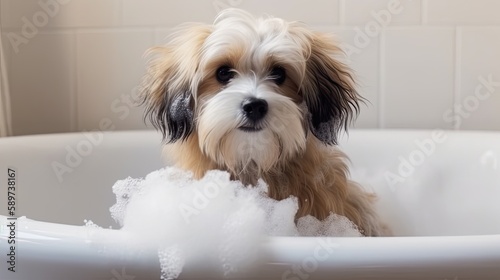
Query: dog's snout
(254, 108)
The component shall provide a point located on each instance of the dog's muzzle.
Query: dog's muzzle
(254, 110)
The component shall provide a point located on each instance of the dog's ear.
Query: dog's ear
(173, 116)
(167, 88)
(328, 90)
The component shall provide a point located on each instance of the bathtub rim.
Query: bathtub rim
(463, 255)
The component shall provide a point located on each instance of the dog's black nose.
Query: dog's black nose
(254, 108)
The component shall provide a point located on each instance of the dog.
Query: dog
(260, 98)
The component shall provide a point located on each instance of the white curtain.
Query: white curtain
(5, 117)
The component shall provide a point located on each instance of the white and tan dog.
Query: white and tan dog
(260, 98)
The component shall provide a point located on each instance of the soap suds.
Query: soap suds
(213, 218)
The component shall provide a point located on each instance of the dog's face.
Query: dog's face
(251, 90)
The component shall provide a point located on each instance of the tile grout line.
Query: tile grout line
(73, 90)
(341, 12)
(121, 15)
(75, 84)
(457, 74)
(5, 54)
(143, 28)
(381, 79)
(423, 12)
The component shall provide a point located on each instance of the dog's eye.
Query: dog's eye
(224, 74)
(278, 74)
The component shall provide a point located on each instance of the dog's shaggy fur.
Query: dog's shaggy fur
(260, 98)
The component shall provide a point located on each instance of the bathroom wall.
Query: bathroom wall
(74, 65)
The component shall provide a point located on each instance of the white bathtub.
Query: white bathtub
(444, 210)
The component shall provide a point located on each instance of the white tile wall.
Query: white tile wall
(418, 77)
(61, 13)
(479, 100)
(110, 64)
(312, 12)
(41, 84)
(463, 12)
(73, 63)
(166, 12)
(403, 12)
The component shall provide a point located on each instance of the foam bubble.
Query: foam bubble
(123, 189)
(333, 225)
(212, 219)
(172, 261)
(90, 224)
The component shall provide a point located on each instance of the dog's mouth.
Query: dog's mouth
(250, 128)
